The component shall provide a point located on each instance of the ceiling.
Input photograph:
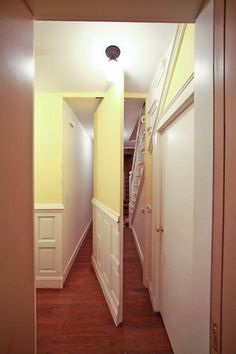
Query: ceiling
(70, 57)
(122, 10)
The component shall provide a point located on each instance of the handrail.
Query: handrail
(137, 167)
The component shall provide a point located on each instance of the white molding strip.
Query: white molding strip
(152, 297)
(183, 99)
(140, 253)
(74, 254)
(170, 67)
(45, 207)
(179, 35)
(106, 210)
(49, 282)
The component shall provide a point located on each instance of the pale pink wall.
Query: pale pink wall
(17, 307)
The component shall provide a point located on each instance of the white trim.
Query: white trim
(183, 99)
(114, 216)
(155, 282)
(45, 207)
(152, 297)
(77, 248)
(49, 282)
(170, 67)
(179, 35)
(140, 253)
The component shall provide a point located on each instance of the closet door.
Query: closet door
(177, 145)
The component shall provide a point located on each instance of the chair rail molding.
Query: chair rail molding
(183, 99)
(171, 59)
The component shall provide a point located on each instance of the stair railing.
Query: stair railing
(136, 175)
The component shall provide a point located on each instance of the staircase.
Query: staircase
(137, 173)
(128, 159)
(126, 200)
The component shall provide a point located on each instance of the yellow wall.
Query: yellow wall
(184, 66)
(108, 148)
(48, 148)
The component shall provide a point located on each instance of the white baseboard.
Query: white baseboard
(137, 246)
(49, 282)
(74, 254)
(152, 297)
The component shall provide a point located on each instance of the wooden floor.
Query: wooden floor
(76, 320)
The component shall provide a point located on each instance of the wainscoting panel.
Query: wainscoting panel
(107, 258)
(48, 249)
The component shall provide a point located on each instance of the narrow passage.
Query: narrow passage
(76, 320)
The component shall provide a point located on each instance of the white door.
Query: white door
(156, 224)
(177, 146)
(107, 258)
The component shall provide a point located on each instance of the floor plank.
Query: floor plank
(76, 320)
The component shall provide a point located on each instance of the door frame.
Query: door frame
(218, 189)
(183, 100)
(219, 176)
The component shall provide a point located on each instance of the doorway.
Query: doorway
(25, 205)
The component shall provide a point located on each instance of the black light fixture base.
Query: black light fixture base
(112, 52)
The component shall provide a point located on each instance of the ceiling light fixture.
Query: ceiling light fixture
(112, 69)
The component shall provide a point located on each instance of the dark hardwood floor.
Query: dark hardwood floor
(76, 320)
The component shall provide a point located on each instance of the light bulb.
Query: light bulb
(112, 70)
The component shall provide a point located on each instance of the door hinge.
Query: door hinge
(215, 337)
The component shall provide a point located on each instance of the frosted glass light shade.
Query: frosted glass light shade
(112, 70)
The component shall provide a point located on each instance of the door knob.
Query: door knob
(159, 228)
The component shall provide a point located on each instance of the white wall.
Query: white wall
(77, 183)
(139, 225)
(203, 180)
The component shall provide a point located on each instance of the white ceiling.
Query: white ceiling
(70, 57)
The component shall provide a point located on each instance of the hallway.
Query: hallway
(76, 320)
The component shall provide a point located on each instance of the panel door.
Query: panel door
(107, 258)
